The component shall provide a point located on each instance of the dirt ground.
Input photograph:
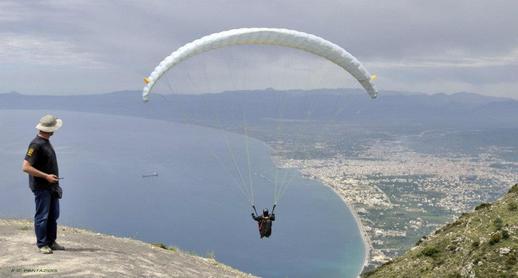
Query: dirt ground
(90, 254)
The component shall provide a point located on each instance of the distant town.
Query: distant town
(399, 195)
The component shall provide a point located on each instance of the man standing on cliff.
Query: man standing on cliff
(42, 166)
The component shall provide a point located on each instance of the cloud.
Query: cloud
(10, 12)
(458, 45)
(456, 59)
(29, 50)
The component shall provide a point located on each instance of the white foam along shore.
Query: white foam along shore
(365, 236)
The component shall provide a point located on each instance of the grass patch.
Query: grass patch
(163, 246)
(505, 234)
(211, 255)
(24, 228)
(511, 260)
(498, 223)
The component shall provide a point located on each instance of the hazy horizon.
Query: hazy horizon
(390, 92)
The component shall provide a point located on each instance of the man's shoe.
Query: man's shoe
(45, 250)
(56, 246)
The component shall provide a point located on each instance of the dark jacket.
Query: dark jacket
(41, 156)
(264, 224)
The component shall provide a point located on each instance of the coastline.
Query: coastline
(279, 162)
(365, 237)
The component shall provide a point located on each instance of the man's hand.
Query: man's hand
(52, 178)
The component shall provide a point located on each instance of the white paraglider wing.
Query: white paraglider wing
(270, 36)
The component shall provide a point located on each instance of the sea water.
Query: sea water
(196, 201)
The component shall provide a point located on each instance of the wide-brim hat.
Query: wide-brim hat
(49, 123)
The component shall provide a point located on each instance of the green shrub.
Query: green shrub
(498, 223)
(451, 247)
(421, 240)
(505, 234)
(159, 245)
(482, 206)
(475, 244)
(514, 189)
(512, 206)
(449, 226)
(495, 238)
(438, 262)
(163, 246)
(388, 263)
(511, 260)
(430, 251)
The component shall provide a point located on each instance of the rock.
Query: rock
(504, 251)
(90, 254)
(467, 271)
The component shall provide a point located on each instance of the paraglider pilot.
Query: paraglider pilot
(264, 222)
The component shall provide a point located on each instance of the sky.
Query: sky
(65, 47)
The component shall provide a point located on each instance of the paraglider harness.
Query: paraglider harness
(265, 224)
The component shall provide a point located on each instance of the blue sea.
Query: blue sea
(194, 203)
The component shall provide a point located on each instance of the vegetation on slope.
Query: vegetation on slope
(483, 243)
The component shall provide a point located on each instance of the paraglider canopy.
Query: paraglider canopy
(263, 36)
(268, 36)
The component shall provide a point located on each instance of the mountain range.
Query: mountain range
(340, 105)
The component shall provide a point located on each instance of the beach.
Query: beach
(282, 163)
(365, 237)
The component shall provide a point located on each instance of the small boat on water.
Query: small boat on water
(154, 174)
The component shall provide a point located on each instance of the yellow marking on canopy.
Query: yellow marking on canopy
(146, 80)
(374, 77)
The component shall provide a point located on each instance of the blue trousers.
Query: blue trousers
(47, 212)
